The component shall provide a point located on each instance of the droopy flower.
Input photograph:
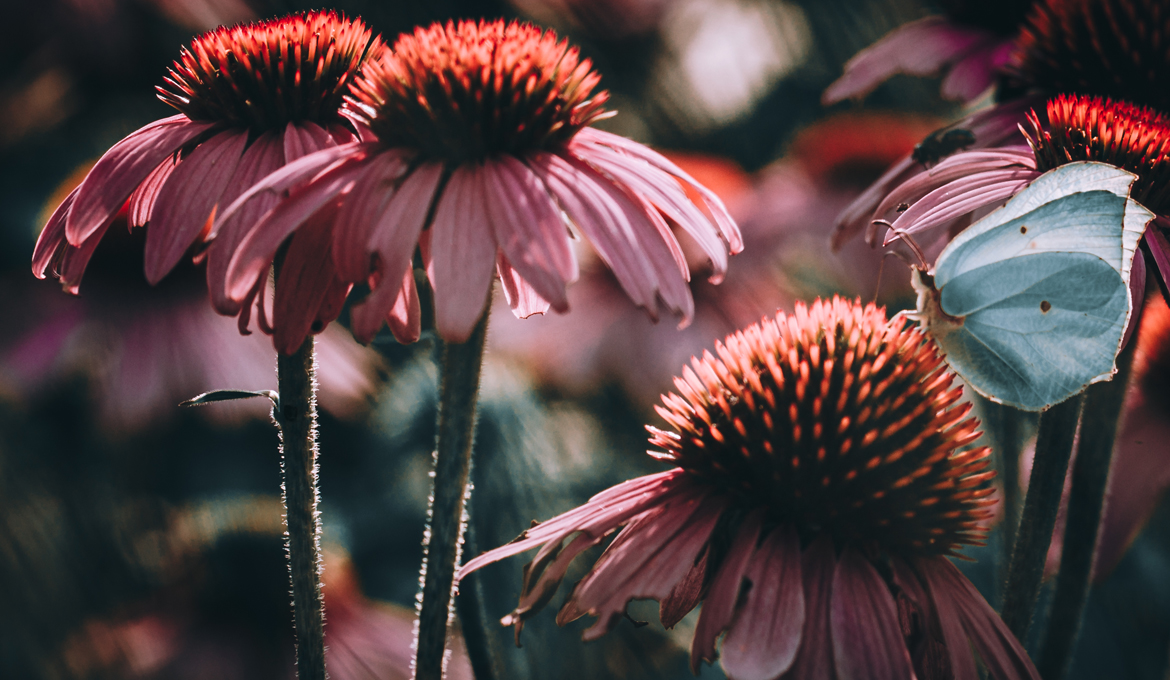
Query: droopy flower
(251, 98)
(478, 144)
(969, 45)
(819, 485)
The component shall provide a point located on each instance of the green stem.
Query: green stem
(458, 392)
(296, 417)
(1004, 426)
(1090, 476)
(1054, 442)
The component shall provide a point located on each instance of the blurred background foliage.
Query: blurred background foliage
(141, 541)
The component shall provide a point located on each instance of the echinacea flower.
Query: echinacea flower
(251, 98)
(821, 479)
(969, 46)
(476, 145)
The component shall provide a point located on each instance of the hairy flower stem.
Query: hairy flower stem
(1054, 442)
(442, 546)
(1086, 501)
(1004, 426)
(474, 619)
(296, 416)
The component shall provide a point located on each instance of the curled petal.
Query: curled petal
(52, 239)
(307, 281)
(522, 297)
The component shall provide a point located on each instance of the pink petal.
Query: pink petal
(1156, 243)
(305, 281)
(75, 258)
(528, 228)
(52, 239)
(185, 202)
(143, 198)
(1001, 652)
(961, 659)
(814, 661)
(522, 297)
(937, 214)
(919, 48)
(548, 569)
(463, 252)
(1137, 295)
(686, 594)
(292, 175)
(645, 561)
(394, 238)
(719, 606)
(405, 317)
(121, 169)
(600, 515)
(959, 166)
(258, 247)
(975, 72)
(765, 636)
(360, 213)
(867, 640)
(302, 139)
(664, 193)
(727, 228)
(264, 156)
(857, 217)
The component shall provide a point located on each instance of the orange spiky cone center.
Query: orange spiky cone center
(465, 91)
(836, 421)
(267, 74)
(1136, 138)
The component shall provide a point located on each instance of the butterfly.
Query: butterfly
(1030, 303)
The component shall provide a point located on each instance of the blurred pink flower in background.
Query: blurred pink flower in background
(818, 448)
(969, 47)
(478, 145)
(146, 348)
(784, 212)
(253, 98)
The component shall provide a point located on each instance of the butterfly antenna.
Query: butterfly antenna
(877, 289)
(907, 239)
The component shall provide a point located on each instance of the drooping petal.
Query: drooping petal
(405, 317)
(306, 279)
(723, 220)
(528, 228)
(867, 640)
(765, 636)
(463, 253)
(143, 198)
(75, 258)
(602, 513)
(976, 71)
(686, 594)
(52, 238)
(962, 660)
(1003, 655)
(264, 156)
(720, 604)
(524, 300)
(665, 194)
(185, 202)
(814, 661)
(919, 48)
(258, 247)
(1159, 247)
(361, 211)
(645, 561)
(121, 169)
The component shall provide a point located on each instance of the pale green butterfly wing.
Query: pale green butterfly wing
(1030, 304)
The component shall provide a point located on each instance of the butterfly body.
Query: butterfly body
(1030, 304)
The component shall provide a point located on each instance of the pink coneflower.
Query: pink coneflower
(252, 98)
(820, 485)
(969, 46)
(478, 146)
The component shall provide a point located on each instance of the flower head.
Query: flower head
(474, 90)
(478, 146)
(1083, 128)
(821, 479)
(1111, 48)
(252, 98)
